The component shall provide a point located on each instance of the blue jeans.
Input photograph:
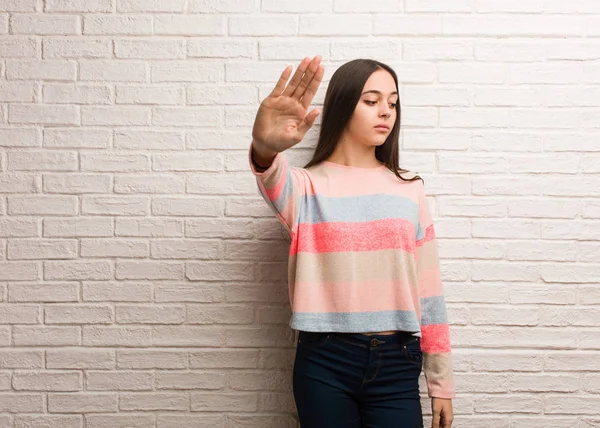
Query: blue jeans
(351, 380)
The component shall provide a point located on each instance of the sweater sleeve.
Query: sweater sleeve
(282, 187)
(435, 330)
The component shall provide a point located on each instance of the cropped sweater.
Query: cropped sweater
(363, 256)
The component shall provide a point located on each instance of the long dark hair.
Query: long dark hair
(343, 93)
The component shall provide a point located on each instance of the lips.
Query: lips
(385, 127)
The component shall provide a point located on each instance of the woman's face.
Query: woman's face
(376, 106)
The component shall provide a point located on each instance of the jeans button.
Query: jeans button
(374, 342)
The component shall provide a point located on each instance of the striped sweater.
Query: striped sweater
(363, 256)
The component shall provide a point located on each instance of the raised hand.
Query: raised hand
(282, 119)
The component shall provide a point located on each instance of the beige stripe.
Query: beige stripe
(354, 267)
(438, 367)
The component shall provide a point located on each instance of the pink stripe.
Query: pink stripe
(362, 297)
(430, 282)
(435, 338)
(274, 192)
(375, 235)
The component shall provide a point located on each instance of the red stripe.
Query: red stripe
(435, 338)
(375, 235)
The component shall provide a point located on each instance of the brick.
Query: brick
(76, 94)
(151, 5)
(17, 182)
(80, 358)
(78, 227)
(20, 314)
(113, 70)
(220, 94)
(77, 138)
(149, 140)
(119, 381)
(236, 402)
(121, 248)
(150, 49)
(254, 25)
(50, 421)
(42, 160)
(76, 47)
(166, 401)
(52, 69)
(116, 336)
(438, 6)
(42, 205)
(149, 270)
(150, 227)
(18, 47)
(74, 403)
(186, 249)
(189, 206)
(51, 381)
(114, 162)
(77, 183)
(46, 336)
(44, 24)
(225, 6)
(40, 249)
(21, 403)
(78, 270)
(115, 116)
(121, 291)
(79, 5)
(115, 205)
(190, 25)
(22, 228)
(18, 5)
(78, 314)
(188, 71)
(45, 292)
(20, 137)
(43, 114)
(406, 25)
(131, 314)
(137, 420)
(151, 359)
(201, 161)
(17, 91)
(105, 25)
(150, 94)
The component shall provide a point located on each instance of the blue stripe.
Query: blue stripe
(356, 322)
(433, 310)
(320, 209)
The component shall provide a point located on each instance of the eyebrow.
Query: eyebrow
(375, 91)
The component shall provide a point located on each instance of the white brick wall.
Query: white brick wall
(142, 277)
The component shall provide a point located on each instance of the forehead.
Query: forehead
(381, 81)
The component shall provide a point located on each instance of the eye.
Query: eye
(370, 102)
(393, 105)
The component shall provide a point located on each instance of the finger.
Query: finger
(313, 87)
(308, 121)
(297, 77)
(282, 81)
(312, 68)
(435, 423)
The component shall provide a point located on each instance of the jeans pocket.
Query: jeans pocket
(312, 339)
(412, 351)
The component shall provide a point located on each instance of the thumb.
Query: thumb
(435, 423)
(309, 121)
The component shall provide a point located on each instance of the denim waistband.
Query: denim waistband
(371, 340)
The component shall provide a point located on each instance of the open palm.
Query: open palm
(282, 119)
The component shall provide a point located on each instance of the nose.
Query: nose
(385, 110)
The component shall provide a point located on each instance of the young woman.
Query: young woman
(364, 276)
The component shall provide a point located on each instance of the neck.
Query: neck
(354, 154)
